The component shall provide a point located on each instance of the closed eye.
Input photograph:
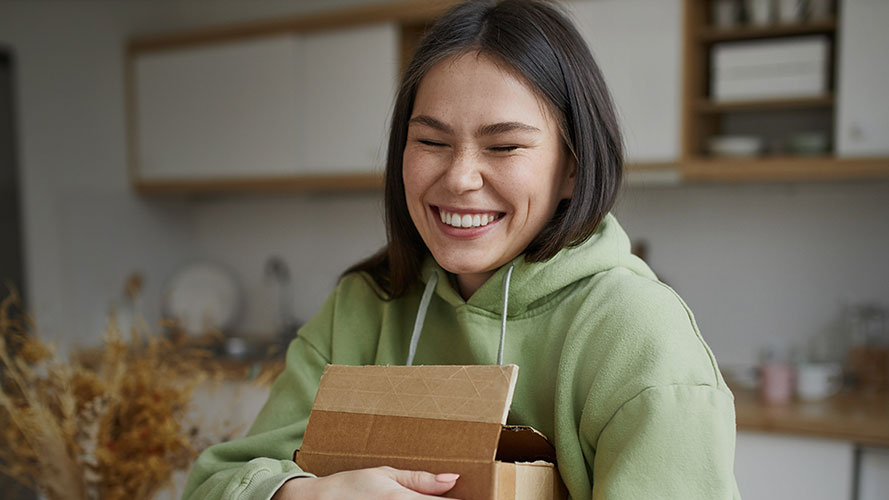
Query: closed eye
(427, 142)
(503, 149)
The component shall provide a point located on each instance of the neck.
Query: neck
(469, 283)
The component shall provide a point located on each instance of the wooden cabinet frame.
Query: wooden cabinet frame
(699, 113)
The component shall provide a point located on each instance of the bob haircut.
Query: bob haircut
(537, 42)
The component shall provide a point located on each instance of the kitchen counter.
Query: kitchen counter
(862, 418)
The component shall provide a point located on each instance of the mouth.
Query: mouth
(466, 219)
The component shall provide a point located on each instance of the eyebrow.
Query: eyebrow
(483, 131)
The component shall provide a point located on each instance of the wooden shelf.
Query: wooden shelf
(294, 184)
(783, 169)
(702, 169)
(709, 35)
(706, 106)
(862, 418)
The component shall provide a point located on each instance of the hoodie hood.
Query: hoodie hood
(532, 282)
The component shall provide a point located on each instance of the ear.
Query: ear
(569, 178)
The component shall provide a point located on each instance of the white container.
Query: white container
(735, 145)
(816, 381)
(764, 69)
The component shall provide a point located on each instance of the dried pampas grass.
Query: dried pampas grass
(107, 426)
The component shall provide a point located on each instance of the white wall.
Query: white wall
(765, 263)
(318, 236)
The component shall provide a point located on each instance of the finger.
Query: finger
(424, 482)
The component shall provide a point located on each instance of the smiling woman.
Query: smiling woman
(484, 167)
(504, 161)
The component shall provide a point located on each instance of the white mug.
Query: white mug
(816, 381)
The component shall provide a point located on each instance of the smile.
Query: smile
(468, 220)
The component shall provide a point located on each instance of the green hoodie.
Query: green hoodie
(612, 369)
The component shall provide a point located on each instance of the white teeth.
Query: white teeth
(466, 220)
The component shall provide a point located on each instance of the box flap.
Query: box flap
(520, 443)
(445, 412)
(465, 393)
(337, 433)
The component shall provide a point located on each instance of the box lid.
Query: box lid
(411, 411)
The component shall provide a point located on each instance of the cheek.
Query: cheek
(413, 185)
(416, 174)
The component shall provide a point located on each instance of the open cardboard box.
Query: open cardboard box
(432, 418)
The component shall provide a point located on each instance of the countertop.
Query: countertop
(860, 417)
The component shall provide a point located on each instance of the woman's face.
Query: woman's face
(484, 166)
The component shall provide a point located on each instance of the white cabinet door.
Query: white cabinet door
(874, 474)
(637, 44)
(349, 80)
(217, 111)
(863, 79)
(779, 467)
(287, 105)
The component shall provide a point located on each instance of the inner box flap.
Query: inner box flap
(520, 443)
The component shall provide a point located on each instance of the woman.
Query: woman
(504, 161)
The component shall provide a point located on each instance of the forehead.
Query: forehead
(476, 86)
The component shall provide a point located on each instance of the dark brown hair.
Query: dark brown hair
(538, 43)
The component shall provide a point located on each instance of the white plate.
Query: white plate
(735, 145)
(203, 297)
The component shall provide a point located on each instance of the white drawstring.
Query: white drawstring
(421, 317)
(424, 307)
(503, 316)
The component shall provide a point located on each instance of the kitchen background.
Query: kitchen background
(764, 265)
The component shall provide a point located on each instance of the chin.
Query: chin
(457, 264)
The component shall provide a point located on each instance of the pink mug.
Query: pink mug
(777, 382)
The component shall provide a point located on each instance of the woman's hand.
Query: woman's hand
(380, 482)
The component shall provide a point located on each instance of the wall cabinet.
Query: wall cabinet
(778, 466)
(283, 106)
(863, 80)
(227, 110)
(349, 81)
(638, 46)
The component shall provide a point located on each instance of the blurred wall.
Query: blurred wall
(763, 264)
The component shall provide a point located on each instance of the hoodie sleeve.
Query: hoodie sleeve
(254, 467)
(674, 441)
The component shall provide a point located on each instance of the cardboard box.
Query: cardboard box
(779, 69)
(433, 418)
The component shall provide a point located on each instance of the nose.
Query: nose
(464, 173)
